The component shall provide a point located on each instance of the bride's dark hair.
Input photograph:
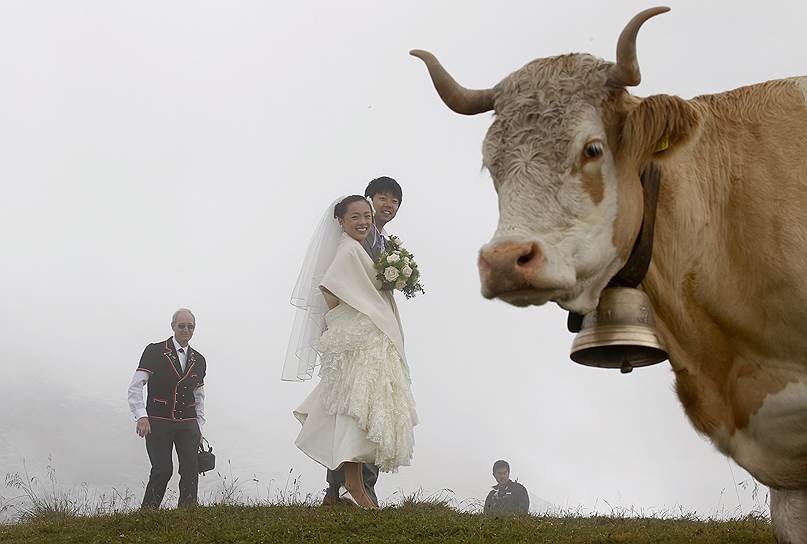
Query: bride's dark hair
(340, 209)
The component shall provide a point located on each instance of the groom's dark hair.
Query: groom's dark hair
(384, 184)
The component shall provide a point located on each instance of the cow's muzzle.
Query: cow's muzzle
(517, 272)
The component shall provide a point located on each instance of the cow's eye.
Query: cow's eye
(593, 150)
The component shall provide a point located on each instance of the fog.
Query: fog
(158, 155)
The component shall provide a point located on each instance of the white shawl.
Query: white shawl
(352, 279)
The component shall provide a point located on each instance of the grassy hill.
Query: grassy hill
(407, 523)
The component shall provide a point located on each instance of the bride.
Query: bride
(362, 410)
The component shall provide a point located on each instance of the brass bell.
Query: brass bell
(620, 333)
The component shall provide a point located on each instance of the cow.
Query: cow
(728, 276)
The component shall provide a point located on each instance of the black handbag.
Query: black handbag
(207, 461)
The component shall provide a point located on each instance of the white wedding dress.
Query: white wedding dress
(362, 410)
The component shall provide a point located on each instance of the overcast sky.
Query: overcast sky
(164, 154)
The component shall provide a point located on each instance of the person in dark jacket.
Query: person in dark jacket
(173, 414)
(507, 496)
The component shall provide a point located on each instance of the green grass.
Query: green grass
(407, 523)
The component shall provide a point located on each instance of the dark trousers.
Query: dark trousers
(165, 436)
(336, 479)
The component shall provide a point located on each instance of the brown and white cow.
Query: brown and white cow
(728, 279)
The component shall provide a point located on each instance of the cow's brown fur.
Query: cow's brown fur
(731, 250)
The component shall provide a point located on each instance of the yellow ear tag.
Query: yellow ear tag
(663, 144)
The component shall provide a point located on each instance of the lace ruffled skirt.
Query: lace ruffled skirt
(362, 410)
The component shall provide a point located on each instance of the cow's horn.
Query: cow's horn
(625, 73)
(455, 96)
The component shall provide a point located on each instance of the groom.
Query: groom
(386, 196)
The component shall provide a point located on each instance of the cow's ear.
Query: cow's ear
(657, 127)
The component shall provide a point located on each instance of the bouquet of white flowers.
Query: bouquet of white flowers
(397, 269)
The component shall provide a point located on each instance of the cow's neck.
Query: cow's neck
(730, 257)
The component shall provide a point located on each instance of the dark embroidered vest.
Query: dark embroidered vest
(170, 391)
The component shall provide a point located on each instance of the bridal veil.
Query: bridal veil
(309, 303)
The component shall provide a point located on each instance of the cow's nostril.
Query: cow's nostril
(527, 257)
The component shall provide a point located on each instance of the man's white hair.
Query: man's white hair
(174, 317)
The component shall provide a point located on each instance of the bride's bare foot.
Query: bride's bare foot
(355, 486)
